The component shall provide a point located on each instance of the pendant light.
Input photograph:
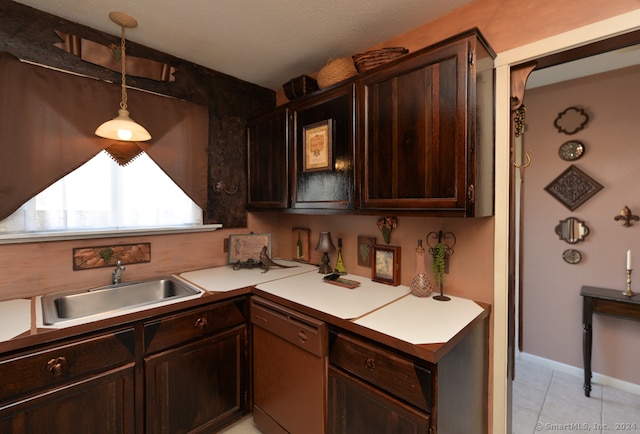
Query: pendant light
(122, 127)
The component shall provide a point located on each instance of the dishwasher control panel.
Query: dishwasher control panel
(298, 329)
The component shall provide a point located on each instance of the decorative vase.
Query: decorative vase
(421, 283)
(340, 268)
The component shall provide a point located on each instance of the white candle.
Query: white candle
(629, 260)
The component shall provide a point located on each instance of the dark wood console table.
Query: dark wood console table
(606, 302)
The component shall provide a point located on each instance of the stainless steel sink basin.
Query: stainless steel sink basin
(69, 305)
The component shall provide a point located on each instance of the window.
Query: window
(102, 195)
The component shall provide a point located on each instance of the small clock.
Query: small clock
(571, 256)
(571, 150)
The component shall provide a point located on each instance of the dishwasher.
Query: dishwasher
(289, 370)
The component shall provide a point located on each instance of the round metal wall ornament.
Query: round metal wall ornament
(571, 150)
(571, 256)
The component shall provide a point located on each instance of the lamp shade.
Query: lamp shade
(123, 128)
(324, 243)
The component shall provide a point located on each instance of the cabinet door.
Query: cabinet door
(102, 403)
(197, 387)
(358, 408)
(415, 131)
(268, 157)
(324, 148)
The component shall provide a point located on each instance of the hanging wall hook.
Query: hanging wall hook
(221, 187)
(528, 162)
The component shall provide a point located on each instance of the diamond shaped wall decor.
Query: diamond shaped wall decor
(573, 187)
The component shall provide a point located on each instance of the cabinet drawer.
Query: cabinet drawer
(387, 370)
(177, 329)
(54, 365)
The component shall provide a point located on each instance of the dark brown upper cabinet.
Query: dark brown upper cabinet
(324, 146)
(413, 136)
(268, 161)
(426, 131)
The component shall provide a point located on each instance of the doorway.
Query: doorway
(548, 370)
(504, 246)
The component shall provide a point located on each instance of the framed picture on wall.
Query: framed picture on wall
(300, 242)
(365, 250)
(386, 264)
(317, 146)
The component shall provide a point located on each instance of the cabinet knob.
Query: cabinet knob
(370, 364)
(201, 323)
(302, 336)
(55, 365)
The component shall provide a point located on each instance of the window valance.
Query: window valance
(47, 124)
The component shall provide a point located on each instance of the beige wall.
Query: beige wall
(470, 274)
(512, 23)
(506, 24)
(36, 268)
(552, 304)
(30, 268)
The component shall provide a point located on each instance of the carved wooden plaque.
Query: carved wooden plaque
(573, 187)
(86, 258)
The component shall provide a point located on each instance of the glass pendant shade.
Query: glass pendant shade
(122, 127)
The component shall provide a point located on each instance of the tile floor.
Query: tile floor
(552, 401)
(244, 426)
(546, 400)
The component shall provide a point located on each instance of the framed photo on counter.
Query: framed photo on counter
(245, 247)
(386, 264)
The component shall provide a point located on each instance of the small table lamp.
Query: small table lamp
(325, 245)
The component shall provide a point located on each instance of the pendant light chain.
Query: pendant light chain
(123, 55)
(122, 127)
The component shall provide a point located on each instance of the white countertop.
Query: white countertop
(16, 318)
(225, 278)
(420, 320)
(311, 291)
(390, 310)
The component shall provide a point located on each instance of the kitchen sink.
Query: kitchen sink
(70, 305)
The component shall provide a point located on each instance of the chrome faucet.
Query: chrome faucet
(117, 273)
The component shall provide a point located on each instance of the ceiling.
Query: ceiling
(611, 60)
(266, 42)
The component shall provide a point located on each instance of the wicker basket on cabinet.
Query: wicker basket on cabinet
(335, 71)
(370, 59)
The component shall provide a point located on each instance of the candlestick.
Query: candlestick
(628, 292)
(629, 267)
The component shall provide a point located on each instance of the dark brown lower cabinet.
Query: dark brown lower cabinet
(356, 407)
(175, 373)
(377, 389)
(85, 385)
(195, 388)
(103, 403)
